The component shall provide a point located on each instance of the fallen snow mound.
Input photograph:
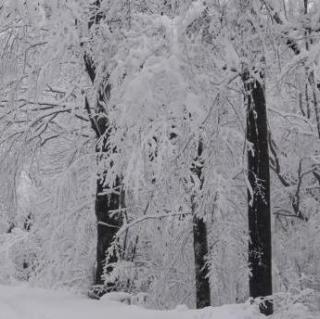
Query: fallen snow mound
(23, 302)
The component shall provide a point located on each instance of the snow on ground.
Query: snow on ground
(23, 302)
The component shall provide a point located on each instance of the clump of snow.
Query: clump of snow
(236, 311)
(193, 13)
(181, 308)
(139, 299)
(122, 297)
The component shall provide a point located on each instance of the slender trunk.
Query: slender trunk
(108, 223)
(109, 198)
(259, 214)
(200, 241)
(201, 268)
(109, 201)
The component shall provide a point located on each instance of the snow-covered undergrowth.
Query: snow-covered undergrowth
(23, 302)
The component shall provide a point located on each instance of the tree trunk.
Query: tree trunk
(200, 252)
(200, 241)
(108, 223)
(259, 215)
(109, 198)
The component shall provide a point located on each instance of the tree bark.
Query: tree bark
(200, 240)
(108, 223)
(259, 215)
(109, 200)
(201, 268)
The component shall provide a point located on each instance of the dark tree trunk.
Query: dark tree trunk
(200, 252)
(259, 215)
(200, 240)
(109, 200)
(109, 223)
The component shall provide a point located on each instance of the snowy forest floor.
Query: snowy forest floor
(23, 302)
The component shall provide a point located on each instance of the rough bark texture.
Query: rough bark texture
(110, 198)
(108, 225)
(200, 242)
(259, 215)
(201, 268)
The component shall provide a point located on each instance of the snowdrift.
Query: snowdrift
(23, 302)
